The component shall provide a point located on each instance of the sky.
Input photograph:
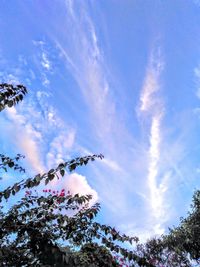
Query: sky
(117, 77)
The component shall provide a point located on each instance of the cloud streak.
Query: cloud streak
(151, 108)
(149, 94)
(26, 138)
(39, 132)
(84, 59)
(34, 126)
(156, 190)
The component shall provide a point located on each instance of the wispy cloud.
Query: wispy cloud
(60, 147)
(43, 59)
(26, 138)
(46, 141)
(152, 109)
(151, 86)
(39, 132)
(85, 60)
(34, 127)
(157, 189)
(112, 164)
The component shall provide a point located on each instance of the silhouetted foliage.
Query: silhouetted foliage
(181, 246)
(39, 222)
(7, 162)
(11, 94)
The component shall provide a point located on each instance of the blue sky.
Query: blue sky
(121, 78)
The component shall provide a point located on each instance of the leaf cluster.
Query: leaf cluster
(7, 162)
(11, 94)
(185, 239)
(181, 246)
(49, 176)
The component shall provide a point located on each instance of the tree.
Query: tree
(186, 237)
(181, 246)
(37, 222)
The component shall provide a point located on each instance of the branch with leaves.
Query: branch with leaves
(10, 94)
(40, 221)
(7, 162)
(49, 176)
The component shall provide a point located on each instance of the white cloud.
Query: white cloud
(78, 184)
(60, 147)
(45, 61)
(34, 126)
(112, 164)
(35, 131)
(152, 109)
(151, 86)
(156, 190)
(26, 138)
(81, 53)
(45, 80)
(84, 59)
(30, 148)
(39, 133)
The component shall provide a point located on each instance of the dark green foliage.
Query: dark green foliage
(10, 94)
(92, 254)
(181, 246)
(186, 237)
(160, 255)
(38, 222)
(6, 162)
(49, 176)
